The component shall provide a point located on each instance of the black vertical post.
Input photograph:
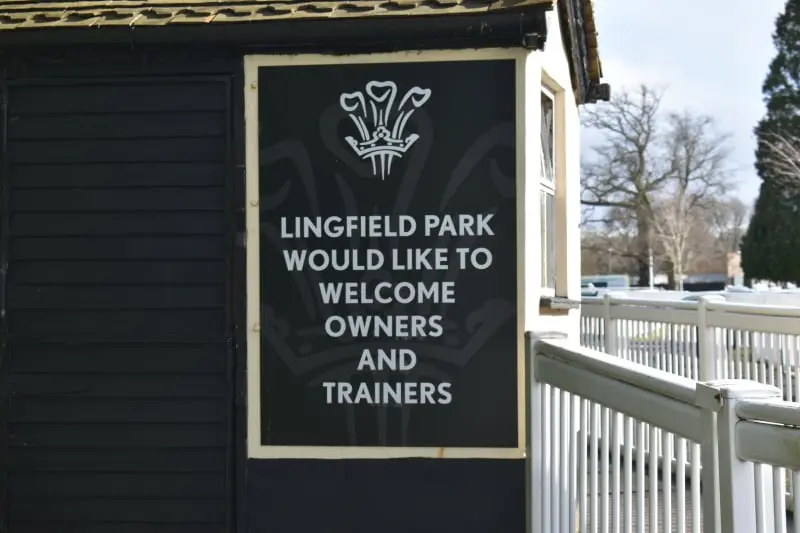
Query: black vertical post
(238, 297)
(230, 362)
(4, 351)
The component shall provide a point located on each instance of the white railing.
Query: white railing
(706, 339)
(582, 482)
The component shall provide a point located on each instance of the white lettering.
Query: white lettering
(382, 393)
(344, 390)
(384, 326)
(479, 258)
(294, 259)
(483, 225)
(329, 391)
(459, 226)
(330, 292)
(420, 259)
(335, 326)
(444, 392)
(366, 361)
(394, 359)
(384, 292)
(348, 227)
(339, 260)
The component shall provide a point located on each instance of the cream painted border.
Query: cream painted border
(254, 448)
(559, 94)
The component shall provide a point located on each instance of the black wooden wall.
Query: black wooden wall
(117, 361)
(120, 415)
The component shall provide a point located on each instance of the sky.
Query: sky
(710, 56)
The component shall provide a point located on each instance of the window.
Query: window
(547, 191)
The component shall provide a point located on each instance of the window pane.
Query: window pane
(548, 138)
(548, 240)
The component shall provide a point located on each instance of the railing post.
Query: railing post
(537, 478)
(729, 484)
(707, 360)
(609, 327)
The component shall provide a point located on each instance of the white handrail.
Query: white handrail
(738, 422)
(770, 411)
(657, 397)
(639, 376)
(770, 444)
(768, 431)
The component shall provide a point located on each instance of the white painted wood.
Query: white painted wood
(636, 403)
(778, 492)
(708, 368)
(796, 498)
(534, 473)
(766, 443)
(656, 315)
(761, 323)
(655, 407)
(708, 478)
(776, 412)
(738, 499)
(652, 381)
(609, 327)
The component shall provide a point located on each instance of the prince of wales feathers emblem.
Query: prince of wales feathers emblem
(381, 127)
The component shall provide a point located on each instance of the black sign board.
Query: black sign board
(388, 254)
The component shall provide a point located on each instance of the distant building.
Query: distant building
(734, 270)
(611, 281)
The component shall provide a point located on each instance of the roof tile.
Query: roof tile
(22, 14)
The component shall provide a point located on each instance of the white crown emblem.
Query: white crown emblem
(382, 132)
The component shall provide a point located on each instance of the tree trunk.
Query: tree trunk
(643, 247)
(644, 272)
(672, 280)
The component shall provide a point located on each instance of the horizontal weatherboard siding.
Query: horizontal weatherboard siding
(119, 415)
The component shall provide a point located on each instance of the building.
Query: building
(267, 265)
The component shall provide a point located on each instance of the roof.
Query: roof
(24, 14)
(593, 52)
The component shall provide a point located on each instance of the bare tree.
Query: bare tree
(674, 220)
(726, 220)
(644, 156)
(698, 175)
(608, 248)
(782, 158)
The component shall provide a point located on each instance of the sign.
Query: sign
(388, 255)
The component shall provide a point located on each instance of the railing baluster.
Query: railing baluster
(796, 500)
(555, 460)
(594, 469)
(605, 456)
(653, 472)
(680, 484)
(547, 507)
(574, 425)
(583, 454)
(641, 488)
(616, 510)
(628, 455)
(697, 518)
(666, 480)
(779, 496)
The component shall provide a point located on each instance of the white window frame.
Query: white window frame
(548, 188)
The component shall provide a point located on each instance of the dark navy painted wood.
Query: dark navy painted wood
(120, 411)
(188, 365)
(387, 496)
